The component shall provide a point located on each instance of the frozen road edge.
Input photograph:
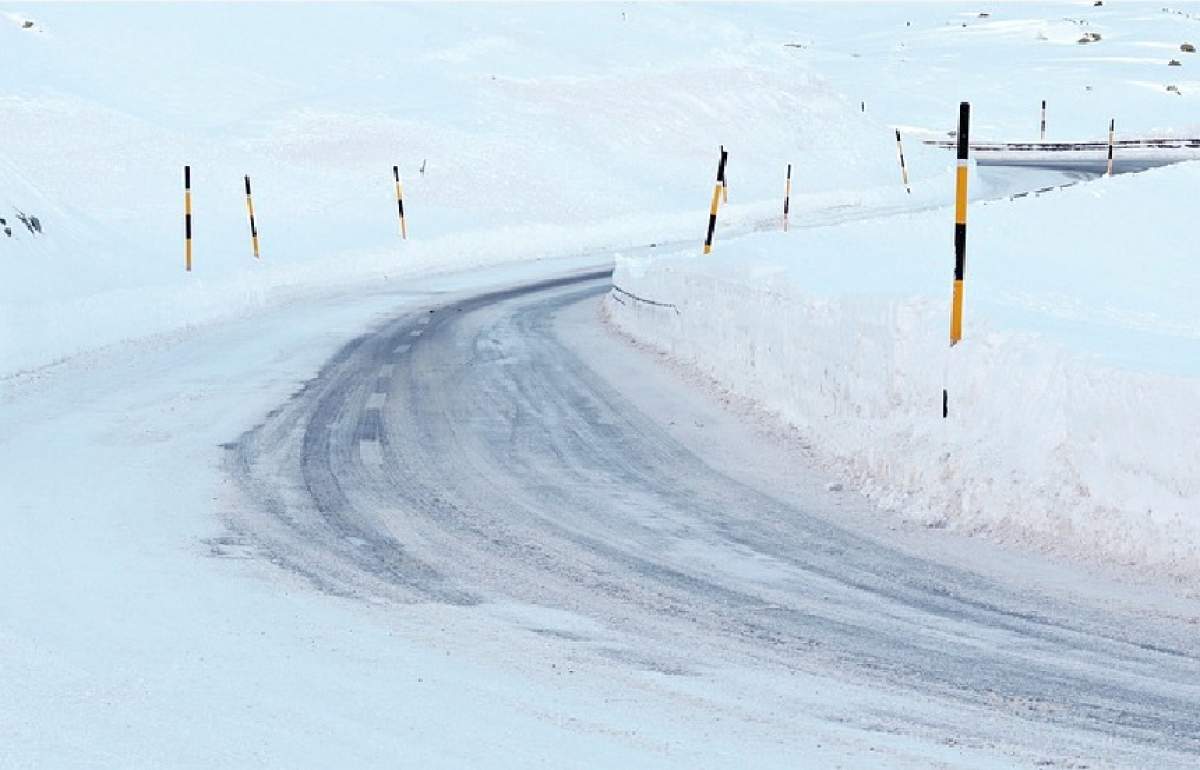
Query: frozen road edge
(466, 455)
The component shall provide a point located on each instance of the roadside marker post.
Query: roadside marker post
(960, 238)
(716, 202)
(1043, 131)
(253, 225)
(903, 168)
(724, 181)
(1112, 126)
(400, 201)
(187, 217)
(787, 197)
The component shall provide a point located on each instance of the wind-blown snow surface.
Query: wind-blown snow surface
(1074, 397)
(544, 130)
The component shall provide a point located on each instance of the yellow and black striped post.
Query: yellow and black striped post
(1043, 133)
(960, 236)
(400, 201)
(1112, 127)
(787, 197)
(253, 225)
(187, 217)
(724, 181)
(716, 202)
(903, 168)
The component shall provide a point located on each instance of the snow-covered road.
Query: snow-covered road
(531, 542)
(478, 453)
(534, 544)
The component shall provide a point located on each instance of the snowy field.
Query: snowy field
(149, 615)
(536, 141)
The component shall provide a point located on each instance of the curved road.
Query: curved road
(472, 454)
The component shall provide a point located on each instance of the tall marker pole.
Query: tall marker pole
(1043, 134)
(903, 168)
(400, 201)
(187, 217)
(723, 180)
(253, 226)
(787, 197)
(1112, 126)
(960, 237)
(716, 202)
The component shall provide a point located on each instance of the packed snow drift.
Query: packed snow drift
(1073, 399)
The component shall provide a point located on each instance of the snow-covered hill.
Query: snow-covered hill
(543, 131)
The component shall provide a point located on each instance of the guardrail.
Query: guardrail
(1165, 144)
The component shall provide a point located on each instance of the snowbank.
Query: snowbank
(1074, 397)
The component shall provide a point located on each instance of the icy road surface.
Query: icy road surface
(493, 453)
